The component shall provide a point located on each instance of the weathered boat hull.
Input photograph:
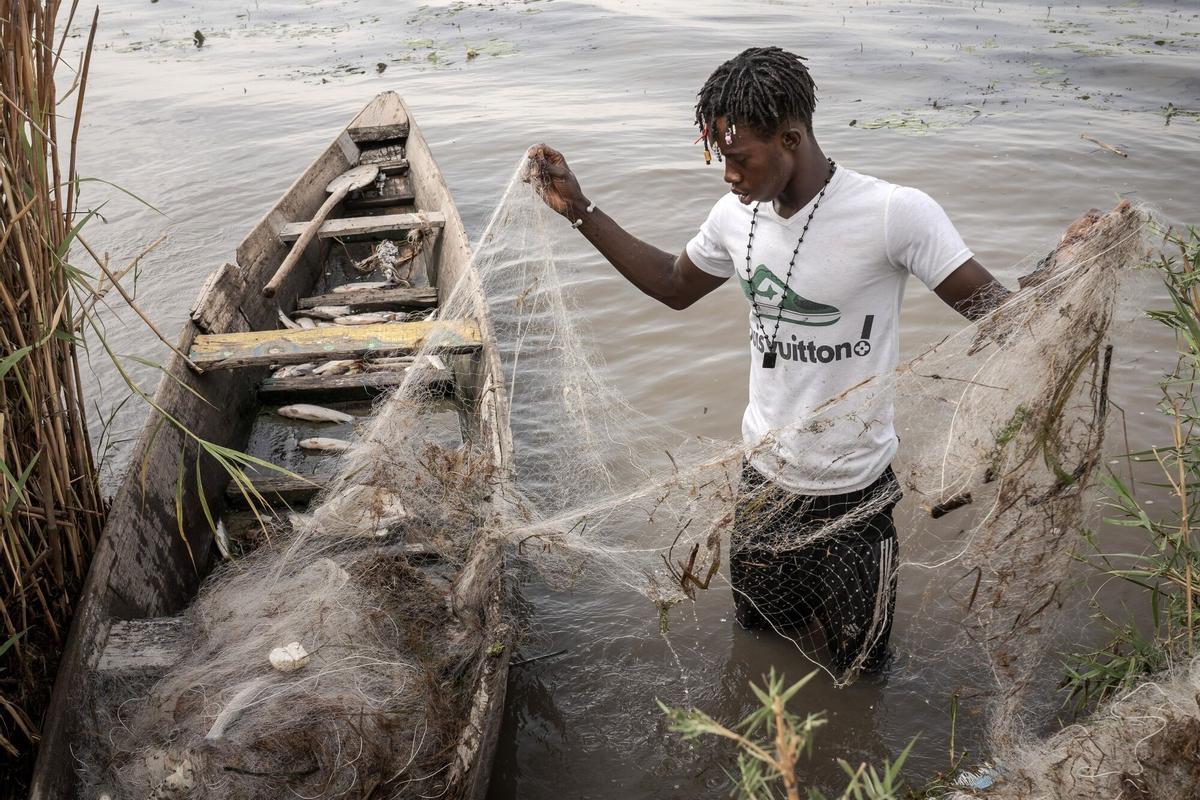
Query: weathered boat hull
(151, 558)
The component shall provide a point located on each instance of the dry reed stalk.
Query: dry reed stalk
(52, 507)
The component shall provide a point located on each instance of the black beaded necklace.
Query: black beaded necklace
(769, 355)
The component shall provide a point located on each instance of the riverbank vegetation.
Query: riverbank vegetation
(52, 506)
(1167, 569)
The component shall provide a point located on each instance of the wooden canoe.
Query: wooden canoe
(144, 570)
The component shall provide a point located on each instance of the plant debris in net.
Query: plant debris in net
(1006, 422)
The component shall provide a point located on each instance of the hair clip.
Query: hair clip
(703, 137)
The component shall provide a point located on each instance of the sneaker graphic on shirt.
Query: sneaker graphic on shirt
(772, 300)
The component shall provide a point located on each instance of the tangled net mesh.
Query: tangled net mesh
(395, 580)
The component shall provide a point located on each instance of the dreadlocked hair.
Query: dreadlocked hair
(763, 87)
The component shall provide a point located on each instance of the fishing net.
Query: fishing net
(1004, 428)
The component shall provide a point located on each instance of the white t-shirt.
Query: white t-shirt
(838, 322)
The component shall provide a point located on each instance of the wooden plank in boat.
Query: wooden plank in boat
(259, 348)
(362, 300)
(344, 388)
(395, 191)
(377, 227)
(143, 645)
(384, 118)
(390, 158)
(279, 489)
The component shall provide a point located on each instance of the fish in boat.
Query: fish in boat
(324, 312)
(339, 366)
(370, 318)
(325, 444)
(367, 285)
(144, 575)
(311, 413)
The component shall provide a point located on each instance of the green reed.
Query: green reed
(1168, 568)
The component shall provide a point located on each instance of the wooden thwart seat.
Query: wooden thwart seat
(377, 227)
(361, 300)
(263, 348)
(279, 489)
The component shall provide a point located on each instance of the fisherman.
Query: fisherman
(822, 253)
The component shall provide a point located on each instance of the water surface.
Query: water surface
(981, 104)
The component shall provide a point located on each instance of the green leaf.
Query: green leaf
(4, 648)
(12, 358)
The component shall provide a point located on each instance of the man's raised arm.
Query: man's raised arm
(672, 280)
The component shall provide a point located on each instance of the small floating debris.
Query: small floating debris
(311, 413)
(198, 38)
(1115, 150)
(288, 658)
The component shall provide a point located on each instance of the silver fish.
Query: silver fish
(354, 287)
(387, 364)
(369, 318)
(287, 321)
(325, 444)
(306, 323)
(339, 367)
(311, 413)
(293, 371)
(324, 312)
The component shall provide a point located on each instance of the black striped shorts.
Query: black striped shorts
(830, 558)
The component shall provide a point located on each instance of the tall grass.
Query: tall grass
(52, 507)
(1168, 568)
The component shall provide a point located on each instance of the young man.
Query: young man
(822, 254)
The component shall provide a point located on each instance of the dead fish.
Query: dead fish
(287, 321)
(221, 537)
(306, 322)
(435, 362)
(324, 312)
(369, 318)
(339, 367)
(354, 287)
(387, 364)
(311, 413)
(324, 444)
(293, 371)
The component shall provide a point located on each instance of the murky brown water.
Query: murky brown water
(980, 104)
